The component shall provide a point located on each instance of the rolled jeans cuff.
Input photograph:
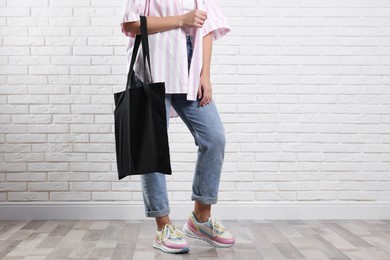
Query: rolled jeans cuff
(205, 200)
(159, 213)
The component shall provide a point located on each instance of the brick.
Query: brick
(28, 21)
(14, 11)
(236, 196)
(108, 80)
(31, 119)
(124, 186)
(26, 176)
(104, 119)
(93, 11)
(13, 167)
(257, 186)
(48, 128)
(357, 195)
(5, 119)
(93, 147)
(276, 196)
(13, 186)
(71, 60)
(181, 195)
(90, 128)
(70, 196)
(104, 3)
(92, 50)
(48, 166)
(69, 3)
(88, 70)
(27, 99)
(49, 109)
(92, 186)
(91, 109)
(23, 157)
(91, 31)
(92, 89)
(28, 3)
(14, 128)
(70, 21)
(51, 11)
(48, 186)
(316, 195)
(30, 60)
(23, 41)
(45, 70)
(104, 176)
(109, 196)
(48, 31)
(101, 157)
(28, 196)
(65, 157)
(15, 148)
(70, 118)
(67, 138)
(14, 50)
(49, 50)
(30, 80)
(79, 166)
(67, 176)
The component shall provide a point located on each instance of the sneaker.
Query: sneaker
(171, 240)
(211, 231)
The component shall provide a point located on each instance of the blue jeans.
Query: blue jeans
(207, 129)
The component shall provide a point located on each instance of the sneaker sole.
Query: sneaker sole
(191, 234)
(171, 250)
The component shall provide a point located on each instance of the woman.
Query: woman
(180, 40)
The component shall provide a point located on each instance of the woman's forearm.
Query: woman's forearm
(207, 50)
(155, 24)
(195, 18)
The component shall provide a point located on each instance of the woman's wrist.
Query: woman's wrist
(205, 75)
(180, 20)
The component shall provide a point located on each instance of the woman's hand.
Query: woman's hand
(195, 18)
(205, 90)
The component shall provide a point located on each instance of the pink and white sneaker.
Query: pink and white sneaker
(211, 231)
(170, 240)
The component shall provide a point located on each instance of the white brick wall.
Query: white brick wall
(303, 88)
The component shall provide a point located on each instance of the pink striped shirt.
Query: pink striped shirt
(168, 49)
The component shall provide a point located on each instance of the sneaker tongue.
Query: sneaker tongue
(173, 232)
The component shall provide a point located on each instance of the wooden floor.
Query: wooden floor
(277, 239)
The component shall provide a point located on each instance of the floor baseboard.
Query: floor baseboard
(228, 211)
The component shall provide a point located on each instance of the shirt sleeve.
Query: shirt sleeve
(216, 21)
(132, 9)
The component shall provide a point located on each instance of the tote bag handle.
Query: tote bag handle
(145, 49)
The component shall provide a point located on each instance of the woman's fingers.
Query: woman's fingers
(196, 18)
(206, 98)
(200, 92)
(201, 14)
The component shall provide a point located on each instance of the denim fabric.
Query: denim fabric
(207, 129)
(189, 50)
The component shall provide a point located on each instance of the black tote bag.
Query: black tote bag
(141, 136)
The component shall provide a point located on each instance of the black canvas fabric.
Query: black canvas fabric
(141, 136)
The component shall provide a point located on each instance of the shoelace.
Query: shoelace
(170, 231)
(218, 228)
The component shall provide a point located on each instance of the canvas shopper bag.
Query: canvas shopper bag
(141, 136)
